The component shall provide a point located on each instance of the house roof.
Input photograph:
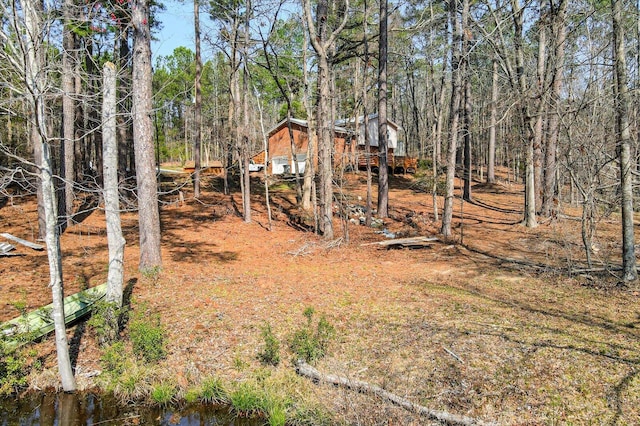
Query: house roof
(374, 116)
(305, 124)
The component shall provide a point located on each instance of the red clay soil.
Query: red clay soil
(497, 295)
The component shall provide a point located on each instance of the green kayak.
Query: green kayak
(39, 323)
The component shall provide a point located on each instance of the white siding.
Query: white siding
(281, 165)
(373, 134)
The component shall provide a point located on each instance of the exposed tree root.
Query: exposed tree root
(305, 370)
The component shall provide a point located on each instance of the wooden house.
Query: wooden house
(281, 154)
(400, 164)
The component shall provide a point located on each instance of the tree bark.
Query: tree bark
(322, 43)
(244, 148)
(526, 119)
(466, 46)
(383, 169)
(365, 117)
(491, 161)
(197, 108)
(309, 165)
(68, 111)
(148, 212)
(35, 75)
(125, 87)
(623, 137)
(115, 239)
(549, 189)
(324, 149)
(466, 190)
(454, 118)
(541, 105)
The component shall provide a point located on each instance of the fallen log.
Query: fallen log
(414, 242)
(305, 370)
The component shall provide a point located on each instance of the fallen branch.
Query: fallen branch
(305, 370)
(23, 242)
(404, 242)
(450, 352)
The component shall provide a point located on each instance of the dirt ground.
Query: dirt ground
(490, 324)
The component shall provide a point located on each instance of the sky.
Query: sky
(177, 28)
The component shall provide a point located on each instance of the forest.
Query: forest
(523, 118)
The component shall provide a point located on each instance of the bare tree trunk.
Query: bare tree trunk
(35, 75)
(550, 191)
(115, 239)
(491, 161)
(324, 149)
(440, 118)
(541, 104)
(197, 140)
(454, 117)
(466, 46)
(383, 150)
(244, 148)
(68, 111)
(294, 151)
(526, 119)
(623, 136)
(34, 136)
(466, 190)
(365, 118)
(322, 44)
(309, 165)
(149, 215)
(124, 88)
(265, 146)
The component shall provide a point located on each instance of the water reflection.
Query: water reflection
(60, 409)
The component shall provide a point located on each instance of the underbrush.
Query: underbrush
(133, 370)
(13, 370)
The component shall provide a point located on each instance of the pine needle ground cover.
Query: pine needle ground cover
(491, 324)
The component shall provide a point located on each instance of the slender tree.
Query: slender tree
(454, 116)
(365, 116)
(148, 213)
(540, 103)
(68, 110)
(323, 43)
(549, 187)
(623, 138)
(383, 169)
(466, 73)
(197, 108)
(526, 119)
(115, 239)
(493, 122)
(35, 83)
(244, 142)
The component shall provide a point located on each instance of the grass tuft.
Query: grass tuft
(147, 336)
(163, 394)
(212, 391)
(270, 353)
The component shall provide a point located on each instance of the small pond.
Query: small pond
(60, 409)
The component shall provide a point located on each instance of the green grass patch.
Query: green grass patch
(270, 352)
(163, 394)
(212, 391)
(147, 336)
(312, 343)
(246, 399)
